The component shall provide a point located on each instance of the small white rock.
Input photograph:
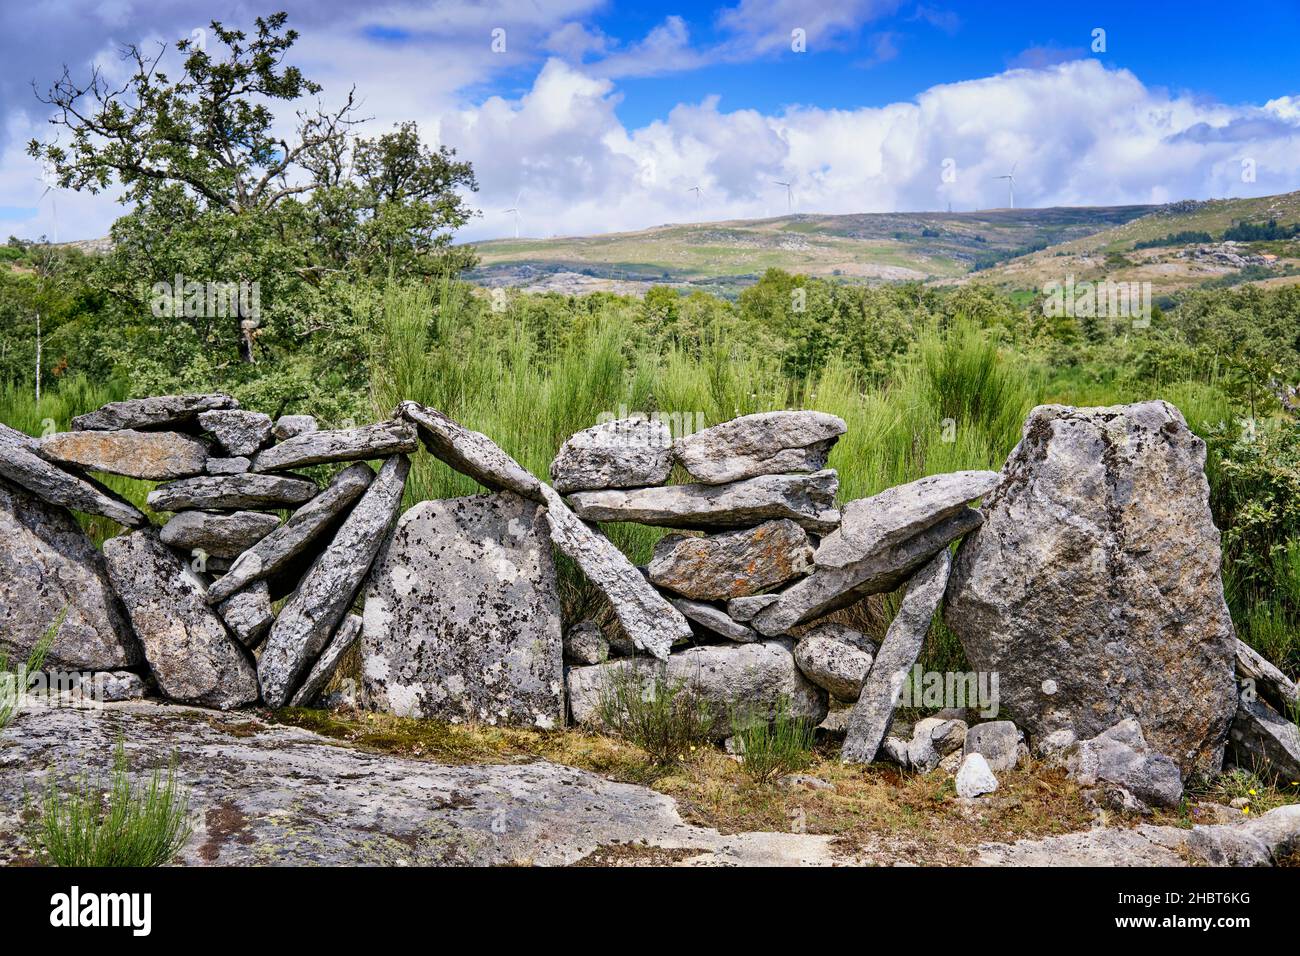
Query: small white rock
(974, 777)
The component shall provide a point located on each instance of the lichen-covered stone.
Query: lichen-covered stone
(20, 464)
(731, 564)
(745, 608)
(193, 658)
(218, 535)
(227, 466)
(48, 568)
(462, 615)
(345, 637)
(1093, 587)
(714, 619)
(343, 444)
(1264, 740)
(469, 452)
(585, 643)
(255, 492)
(151, 456)
(248, 614)
(291, 426)
(156, 412)
(627, 453)
(240, 433)
(768, 443)
(835, 657)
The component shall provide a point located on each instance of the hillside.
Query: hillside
(725, 256)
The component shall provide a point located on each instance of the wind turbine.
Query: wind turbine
(789, 195)
(696, 190)
(1011, 186)
(515, 209)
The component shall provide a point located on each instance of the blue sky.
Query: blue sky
(601, 116)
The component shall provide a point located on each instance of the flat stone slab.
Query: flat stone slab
(192, 656)
(462, 615)
(255, 492)
(344, 444)
(287, 543)
(150, 456)
(808, 500)
(768, 443)
(327, 590)
(714, 619)
(218, 535)
(264, 795)
(627, 453)
(238, 432)
(20, 464)
(49, 567)
(732, 564)
(157, 412)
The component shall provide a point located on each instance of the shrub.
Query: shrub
(127, 825)
(772, 748)
(666, 718)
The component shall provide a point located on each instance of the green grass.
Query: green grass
(771, 748)
(663, 716)
(13, 685)
(129, 824)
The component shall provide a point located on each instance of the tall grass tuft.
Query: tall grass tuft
(128, 825)
(771, 748)
(13, 686)
(665, 717)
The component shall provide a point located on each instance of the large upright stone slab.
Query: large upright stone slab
(1093, 585)
(47, 565)
(342, 444)
(768, 443)
(462, 615)
(327, 590)
(192, 656)
(20, 464)
(157, 412)
(150, 456)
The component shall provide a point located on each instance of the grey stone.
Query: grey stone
(344, 444)
(227, 466)
(291, 426)
(469, 452)
(828, 589)
(114, 686)
(328, 589)
(218, 535)
(998, 741)
(1265, 742)
(835, 657)
(650, 622)
(259, 492)
(462, 616)
(1120, 756)
(745, 608)
(584, 643)
(248, 614)
(20, 464)
(768, 443)
(1270, 682)
(759, 676)
(345, 636)
(1093, 587)
(49, 567)
(714, 619)
(809, 500)
(152, 456)
(193, 658)
(1054, 747)
(874, 710)
(287, 542)
(933, 739)
(974, 777)
(731, 564)
(627, 453)
(238, 432)
(157, 412)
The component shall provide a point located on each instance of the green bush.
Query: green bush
(664, 717)
(771, 748)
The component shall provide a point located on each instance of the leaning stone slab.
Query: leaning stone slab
(769, 443)
(732, 564)
(462, 616)
(238, 432)
(757, 676)
(1263, 740)
(830, 588)
(287, 542)
(218, 535)
(1270, 682)
(158, 412)
(345, 637)
(328, 589)
(193, 658)
(151, 456)
(254, 492)
(20, 464)
(627, 453)
(1093, 587)
(248, 614)
(344, 444)
(469, 452)
(874, 710)
(48, 568)
(808, 500)
(652, 624)
(714, 619)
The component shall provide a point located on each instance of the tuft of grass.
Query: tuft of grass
(772, 748)
(14, 685)
(664, 717)
(1238, 783)
(128, 824)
